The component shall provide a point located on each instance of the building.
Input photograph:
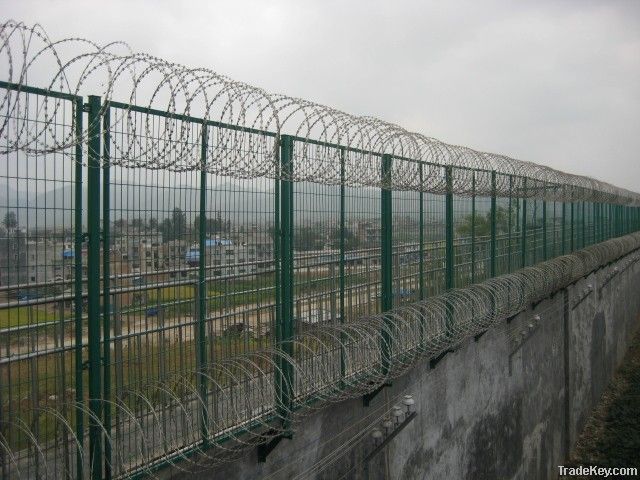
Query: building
(13, 256)
(142, 249)
(233, 258)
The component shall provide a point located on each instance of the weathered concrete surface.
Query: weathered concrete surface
(491, 409)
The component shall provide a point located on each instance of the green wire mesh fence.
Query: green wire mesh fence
(185, 274)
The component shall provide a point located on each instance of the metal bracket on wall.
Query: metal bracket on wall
(433, 363)
(264, 449)
(583, 296)
(368, 397)
(608, 278)
(512, 317)
(478, 336)
(519, 339)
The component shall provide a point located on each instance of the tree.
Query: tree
(152, 224)
(307, 238)
(10, 220)
(351, 241)
(175, 226)
(136, 223)
(483, 223)
(212, 225)
(120, 224)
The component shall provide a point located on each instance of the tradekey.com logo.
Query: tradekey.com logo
(595, 471)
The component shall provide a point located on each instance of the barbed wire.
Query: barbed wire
(242, 406)
(332, 146)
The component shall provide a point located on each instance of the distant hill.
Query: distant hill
(235, 202)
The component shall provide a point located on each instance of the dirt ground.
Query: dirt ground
(611, 436)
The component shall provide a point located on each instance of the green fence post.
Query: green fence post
(106, 287)
(509, 227)
(286, 320)
(473, 226)
(545, 242)
(386, 253)
(342, 260)
(93, 289)
(422, 293)
(534, 239)
(201, 350)
(494, 213)
(523, 247)
(78, 289)
(555, 229)
(449, 252)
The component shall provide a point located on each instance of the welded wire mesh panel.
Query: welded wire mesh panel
(472, 238)
(239, 264)
(535, 231)
(153, 315)
(362, 264)
(505, 225)
(408, 241)
(434, 234)
(39, 280)
(518, 236)
(554, 232)
(322, 241)
(192, 284)
(238, 239)
(320, 222)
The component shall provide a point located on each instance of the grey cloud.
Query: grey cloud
(554, 82)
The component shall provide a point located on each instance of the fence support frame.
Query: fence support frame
(449, 249)
(386, 253)
(494, 213)
(285, 322)
(93, 288)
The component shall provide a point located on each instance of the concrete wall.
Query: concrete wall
(508, 405)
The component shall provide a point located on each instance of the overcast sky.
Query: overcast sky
(554, 82)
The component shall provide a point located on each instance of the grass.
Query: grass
(19, 316)
(49, 381)
(611, 436)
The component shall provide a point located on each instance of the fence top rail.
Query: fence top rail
(186, 118)
(20, 87)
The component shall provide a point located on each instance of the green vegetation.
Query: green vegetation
(483, 223)
(20, 316)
